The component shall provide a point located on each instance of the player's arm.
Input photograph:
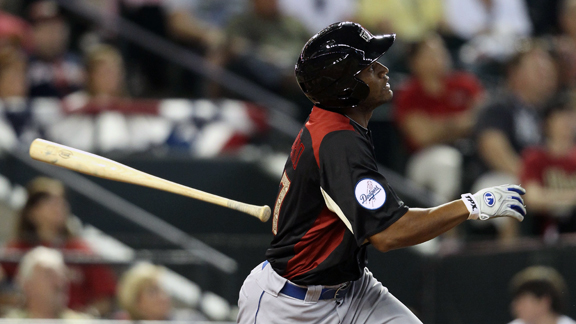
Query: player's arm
(420, 225)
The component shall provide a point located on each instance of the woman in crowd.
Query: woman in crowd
(44, 221)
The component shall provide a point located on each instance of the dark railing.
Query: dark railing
(281, 110)
(132, 213)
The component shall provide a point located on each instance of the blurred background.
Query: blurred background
(202, 92)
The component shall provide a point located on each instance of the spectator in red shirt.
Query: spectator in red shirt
(549, 173)
(436, 108)
(511, 122)
(43, 222)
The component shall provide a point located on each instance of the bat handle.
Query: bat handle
(260, 212)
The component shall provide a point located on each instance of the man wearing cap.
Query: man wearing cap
(332, 202)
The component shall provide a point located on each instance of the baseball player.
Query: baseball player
(332, 202)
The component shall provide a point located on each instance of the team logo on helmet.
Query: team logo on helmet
(489, 199)
(370, 194)
(364, 34)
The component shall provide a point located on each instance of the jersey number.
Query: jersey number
(297, 150)
(285, 183)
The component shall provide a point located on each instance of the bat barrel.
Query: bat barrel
(99, 166)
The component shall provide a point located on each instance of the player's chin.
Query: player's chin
(388, 94)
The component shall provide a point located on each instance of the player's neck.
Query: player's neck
(360, 116)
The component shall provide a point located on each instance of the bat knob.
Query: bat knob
(265, 214)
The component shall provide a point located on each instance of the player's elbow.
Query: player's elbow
(384, 244)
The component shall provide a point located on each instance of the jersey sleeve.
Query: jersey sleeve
(353, 188)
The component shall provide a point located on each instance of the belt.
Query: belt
(294, 291)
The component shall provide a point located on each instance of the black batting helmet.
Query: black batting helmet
(327, 68)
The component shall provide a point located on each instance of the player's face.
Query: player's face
(376, 77)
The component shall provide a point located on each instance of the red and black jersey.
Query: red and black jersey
(331, 199)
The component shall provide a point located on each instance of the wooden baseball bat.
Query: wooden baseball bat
(98, 166)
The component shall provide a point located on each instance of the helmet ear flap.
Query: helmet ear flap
(353, 93)
(346, 93)
(361, 91)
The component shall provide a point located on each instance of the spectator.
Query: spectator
(14, 31)
(44, 221)
(52, 70)
(187, 25)
(105, 73)
(435, 108)
(147, 72)
(544, 16)
(317, 14)
(489, 27)
(44, 284)
(263, 46)
(538, 297)
(141, 294)
(411, 21)
(549, 173)
(215, 13)
(511, 122)
(565, 44)
(15, 113)
(12, 73)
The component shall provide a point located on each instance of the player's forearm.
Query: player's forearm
(420, 225)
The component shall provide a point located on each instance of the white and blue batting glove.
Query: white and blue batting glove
(499, 201)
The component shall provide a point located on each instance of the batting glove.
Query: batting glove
(499, 201)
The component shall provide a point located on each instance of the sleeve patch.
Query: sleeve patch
(370, 194)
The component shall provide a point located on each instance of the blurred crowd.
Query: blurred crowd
(49, 270)
(44, 275)
(484, 95)
(484, 89)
